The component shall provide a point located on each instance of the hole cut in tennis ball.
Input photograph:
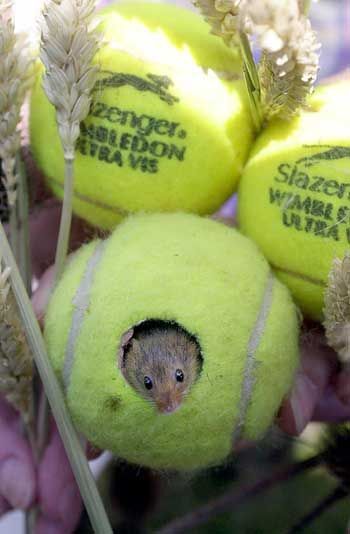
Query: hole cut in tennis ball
(149, 326)
(162, 362)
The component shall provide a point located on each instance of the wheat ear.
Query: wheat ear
(15, 80)
(337, 308)
(16, 363)
(69, 42)
(289, 62)
(290, 53)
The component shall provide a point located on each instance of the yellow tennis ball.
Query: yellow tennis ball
(294, 196)
(168, 129)
(209, 280)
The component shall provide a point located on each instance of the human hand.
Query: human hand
(321, 389)
(50, 487)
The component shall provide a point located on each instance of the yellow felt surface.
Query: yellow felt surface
(294, 196)
(147, 146)
(210, 280)
(185, 29)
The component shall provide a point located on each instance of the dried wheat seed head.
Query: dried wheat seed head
(16, 365)
(337, 308)
(15, 80)
(69, 42)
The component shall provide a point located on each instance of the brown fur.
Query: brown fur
(157, 354)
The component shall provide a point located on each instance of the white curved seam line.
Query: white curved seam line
(253, 345)
(93, 202)
(81, 302)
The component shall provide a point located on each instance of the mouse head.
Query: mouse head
(161, 361)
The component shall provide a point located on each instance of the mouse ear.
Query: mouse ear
(125, 344)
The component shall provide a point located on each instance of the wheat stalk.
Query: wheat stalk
(337, 308)
(15, 80)
(69, 42)
(85, 480)
(16, 365)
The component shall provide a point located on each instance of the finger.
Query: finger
(59, 497)
(17, 474)
(330, 409)
(41, 296)
(318, 365)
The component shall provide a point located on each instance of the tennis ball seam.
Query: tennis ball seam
(299, 276)
(81, 301)
(248, 382)
(85, 198)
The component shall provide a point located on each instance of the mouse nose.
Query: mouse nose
(168, 405)
(170, 408)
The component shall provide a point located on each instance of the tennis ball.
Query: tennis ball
(168, 129)
(294, 196)
(212, 282)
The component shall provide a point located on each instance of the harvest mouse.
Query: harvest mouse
(161, 361)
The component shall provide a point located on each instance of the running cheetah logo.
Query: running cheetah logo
(332, 154)
(159, 85)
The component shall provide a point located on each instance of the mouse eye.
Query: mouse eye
(148, 382)
(179, 375)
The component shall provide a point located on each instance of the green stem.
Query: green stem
(252, 81)
(32, 513)
(233, 499)
(66, 220)
(13, 223)
(30, 520)
(307, 7)
(337, 495)
(60, 260)
(69, 436)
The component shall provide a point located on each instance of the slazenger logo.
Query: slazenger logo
(332, 154)
(311, 201)
(158, 85)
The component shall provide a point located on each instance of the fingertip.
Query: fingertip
(318, 365)
(297, 410)
(17, 482)
(41, 296)
(330, 409)
(59, 495)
